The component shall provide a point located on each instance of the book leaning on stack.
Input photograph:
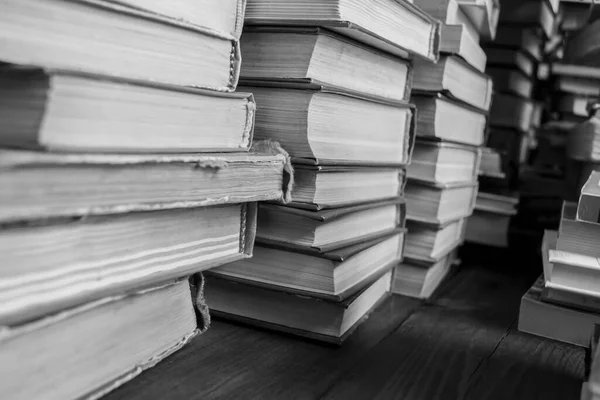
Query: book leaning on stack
(564, 304)
(121, 179)
(442, 177)
(335, 94)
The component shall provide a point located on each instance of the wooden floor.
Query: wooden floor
(463, 344)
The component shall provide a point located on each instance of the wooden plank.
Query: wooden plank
(436, 351)
(230, 361)
(529, 367)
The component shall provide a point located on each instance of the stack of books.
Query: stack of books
(564, 304)
(442, 178)
(332, 85)
(125, 168)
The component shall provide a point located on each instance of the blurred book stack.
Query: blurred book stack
(332, 85)
(125, 167)
(564, 304)
(452, 117)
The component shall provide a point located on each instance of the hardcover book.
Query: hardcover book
(96, 347)
(394, 26)
(444, 162)
(331, 127)
(133, 39)
(65, 111)
(60, 264)
(415, 278)
(439, 204)
(448, 76)
(322, 58)
(431, 242)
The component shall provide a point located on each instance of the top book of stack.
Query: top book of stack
(394, 26)
(179, 43)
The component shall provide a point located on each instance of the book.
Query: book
(583, 139)
(552, 321)
(525, 39)
(511, 82)
(488, 227)
(456, 39)
(528, 13)
(577, 236)
(52, 185)
(448, 76)
(512, 112)
(326, 230)
(315, 56)
(331, 275)
(492, 163)
(510, 58)
(60, 264)
(577, 79)
(131, 39)
(326, 187)
(449, 13)
(588, 208)
(396, 27)
(483, 13)
(494, 202)
(334, 128)
(300, 315)
(439, 203)
(574, 104)
(65, 111)
(575, 14)
(444, 162)
(431, 242)
(414, 278)
(96, 347)
(576, 272)
(440, 118)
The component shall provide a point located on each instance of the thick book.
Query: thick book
(525, 39)
(394, 26)
(439, 203)
(449, 13)
(326, 187)
(191, 45)
(432, 242)
(513, 112)
(552, 321)
(575, 14)
(495, 202)
(56, 265)
(577, 79)
(449, 76)
(457, 40)
(328, 274)
(292, 313)
(50, 185)
(574, 104)
(318, 57)
(331, 127)
(575, 272)
(583, 139)
(488, 227)
(326, 230)
(440, 118)
(588, 208)
(418, 279)
(87, 351)
(528, 13)
(511, 81)
(72, 111)
(493, 163)
(483, 13)
(444, 162)
(578, 237)
(510, 58)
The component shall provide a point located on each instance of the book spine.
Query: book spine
(410, 132)
(249, 212)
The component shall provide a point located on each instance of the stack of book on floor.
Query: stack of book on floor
(119, 181)
(442, 178)
(334, 93)
(564, 304)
